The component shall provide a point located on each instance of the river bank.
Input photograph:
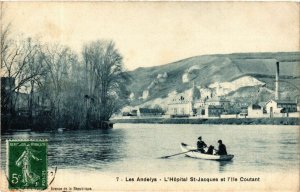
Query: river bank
(46, 123)
(238, 121)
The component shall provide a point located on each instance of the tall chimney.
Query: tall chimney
(277, 82)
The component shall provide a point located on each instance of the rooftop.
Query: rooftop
(146, 110)
(284, 102)
(255, 106)
(215, 107)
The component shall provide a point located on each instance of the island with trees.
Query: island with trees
(48, 86)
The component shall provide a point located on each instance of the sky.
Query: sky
(155, 33)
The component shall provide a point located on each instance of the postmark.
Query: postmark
(27, 164)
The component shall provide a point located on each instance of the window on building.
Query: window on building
(202, 111)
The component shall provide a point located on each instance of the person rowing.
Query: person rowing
(201, 145)
(222, 149)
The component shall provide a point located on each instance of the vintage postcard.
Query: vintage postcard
(149, 96)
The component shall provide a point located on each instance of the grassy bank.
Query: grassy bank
(241, 121)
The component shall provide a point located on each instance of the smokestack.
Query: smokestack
(277, 82)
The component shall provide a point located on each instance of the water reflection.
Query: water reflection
(223, 164)
(93, 149)
(213, 166)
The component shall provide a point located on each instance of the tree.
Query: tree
(21, 62)
(72, 93)
(59, 61)
(106, 80)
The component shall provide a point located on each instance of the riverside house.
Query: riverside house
(276, 107)
(255, 111)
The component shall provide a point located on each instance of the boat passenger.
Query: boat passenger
(222, 149)
(201, 145)
(210, 150)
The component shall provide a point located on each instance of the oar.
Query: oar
(165, 157)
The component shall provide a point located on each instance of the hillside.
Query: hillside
(238, 75)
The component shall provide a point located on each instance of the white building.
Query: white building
(255, 111)
(192, 103)
(199, 103)
(180, 109)
(276, 107)
(182, 105)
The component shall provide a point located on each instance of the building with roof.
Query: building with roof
(183, 105)
(218, 102)
(194, 104)
(210, 111)
(207, 107)
(274, 107)
(255, 111)
(181, 109)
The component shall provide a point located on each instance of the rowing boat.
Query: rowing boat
(196, 154)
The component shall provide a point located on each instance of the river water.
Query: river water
(137, 148)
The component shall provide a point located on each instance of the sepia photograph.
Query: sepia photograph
(150, 96)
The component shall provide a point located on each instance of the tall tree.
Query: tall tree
(106, 80)
(20, 63)
(58, 60)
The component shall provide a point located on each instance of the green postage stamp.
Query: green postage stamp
(27, 164)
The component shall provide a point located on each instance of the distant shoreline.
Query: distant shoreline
(238, 121)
